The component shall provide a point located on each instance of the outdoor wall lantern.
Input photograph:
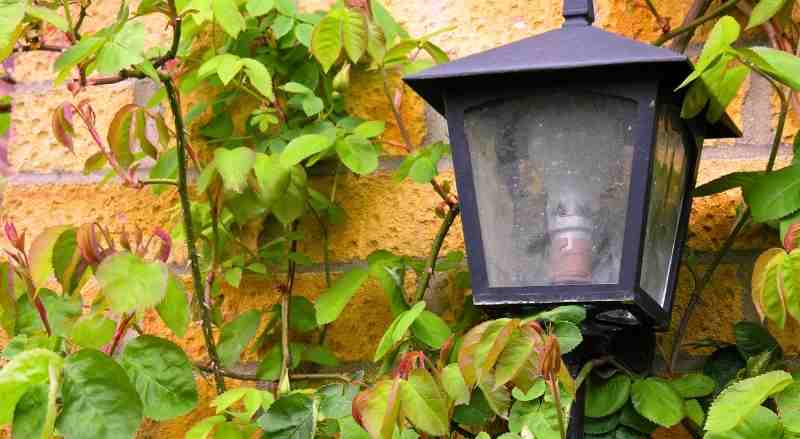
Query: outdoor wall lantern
(574, 172)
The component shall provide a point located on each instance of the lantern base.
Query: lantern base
(630, 346)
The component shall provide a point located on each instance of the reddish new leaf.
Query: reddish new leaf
(119, 135)
(376, 409)
(790, 238)
(63, 129)
(141, 134)
(166, 244)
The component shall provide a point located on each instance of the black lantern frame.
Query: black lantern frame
(577, 57)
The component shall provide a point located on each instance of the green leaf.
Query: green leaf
(535, 391)
(601, 425)
(724, 183)
(516, 354)
(252, 400)
(235, 336)
(763, 11)
(738, 400)
(423, 170)
(124, 50)
(293, 203)
(632, 419)
(774, 195)
(303, 33)
(233, 166)
(24, 371)
(788, 402)
(759, 423)
(48, 15)
(786, 67)
(693, 385)
(723, 92)
(477, 412)
(604, 397)
(259, 77)
(567, 313)
(694, 411)
(92, 331)
(226, 13)
(282, 26)
(723, 34)
(286, 7)
(326, 40)
(303, 147)
(61, 312)
(41, 254)
(119, 135)
(424, 404)
(96, 387)
(333, 300)
(130, 283)
(398, 329)
(358, 154)
(78, 53)
(569, 336)
(336, 400)
(30, 413)
(695, 100)
(228, 69)
(290, 417)
(354, 34)
(753, 339)
(257, 8)
(389, 270)
(378, 407)
(273, 178)
(202, 429)
(312, 105)
(657, 401)
(789, 283)
(498, 398)
(174, 309)
(430, 329)
(296, 87)
(454, 384)
(370, 129)
(162, 374)
(351, 430)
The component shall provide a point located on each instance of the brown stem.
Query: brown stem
(552, 380)
(40, 47)
(122, 327)
(40, 309)
(695, 298)
(188, 227)
(5, 108)
(436, 247)
(663, 22)
(690, 27)
(295, 376)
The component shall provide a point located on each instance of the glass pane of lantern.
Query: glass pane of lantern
(667, 189)
(551, 173)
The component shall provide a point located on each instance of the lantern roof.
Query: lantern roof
(568, 48)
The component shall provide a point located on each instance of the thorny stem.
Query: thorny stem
(430, 266)
(722, 10)
(695, 298)
(186, 210)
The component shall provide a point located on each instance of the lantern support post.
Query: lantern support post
(578, 12)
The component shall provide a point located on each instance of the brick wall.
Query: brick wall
(49, 189)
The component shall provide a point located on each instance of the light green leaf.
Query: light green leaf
(694, 101)
(693, 385)
(174, 309)
(326, 40)
(162, 374)
(424, 404)
(370, 129)
(92, 331)
(498, 398)
(358, 154)
(604, 397)
(303, 147)
(235, 336)
(789, 282)
(695, 412)
(723, 92)
(24, 371)
(354, 34)
(257, 8)
(336, 400)
(378, 408)
(229, 69)
(569, 336)
(351, 430)
(259, 77)
(312, 105)
(516, 354)
(48, 15)
(11, 14)
(657, 401)
(296, 87)
(78, 53)
(567, 313)
(398, 329)
(290, 417)
(124, 50)
(286, 7)
(273, 179)
(41, 254)
(226, 13)
(454, 384)
(763, 11)
(536, 391)
(333, 300)
(30, 413)
(130, 283)
(430, 329)
(739, 399)
(788, 402)
(252, 399)
(759, 423)
(62, 312)
(293, 203)
(202, 429)
(786, 67)
(96, 387)
(233, 166)
(723, 34)
(775, 194)
(282, 26)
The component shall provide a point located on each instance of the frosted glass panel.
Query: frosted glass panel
(552, 174)
(667, 190)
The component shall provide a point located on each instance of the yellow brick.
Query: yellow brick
(381, 214)
(720, 308)
(792, 121)
(34, 66)
(35, 149)
(36, 207)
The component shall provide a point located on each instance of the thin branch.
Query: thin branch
(698, 8)
(284, 385)
(40, 48)
(436, 247)
(663, 22)
(720, 11)
(152, 181)
(122, 328)
(188, 227)
(243, 376)
(695, 298)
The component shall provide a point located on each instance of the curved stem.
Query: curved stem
(188, 227)
(425, 278)
(722, 10)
